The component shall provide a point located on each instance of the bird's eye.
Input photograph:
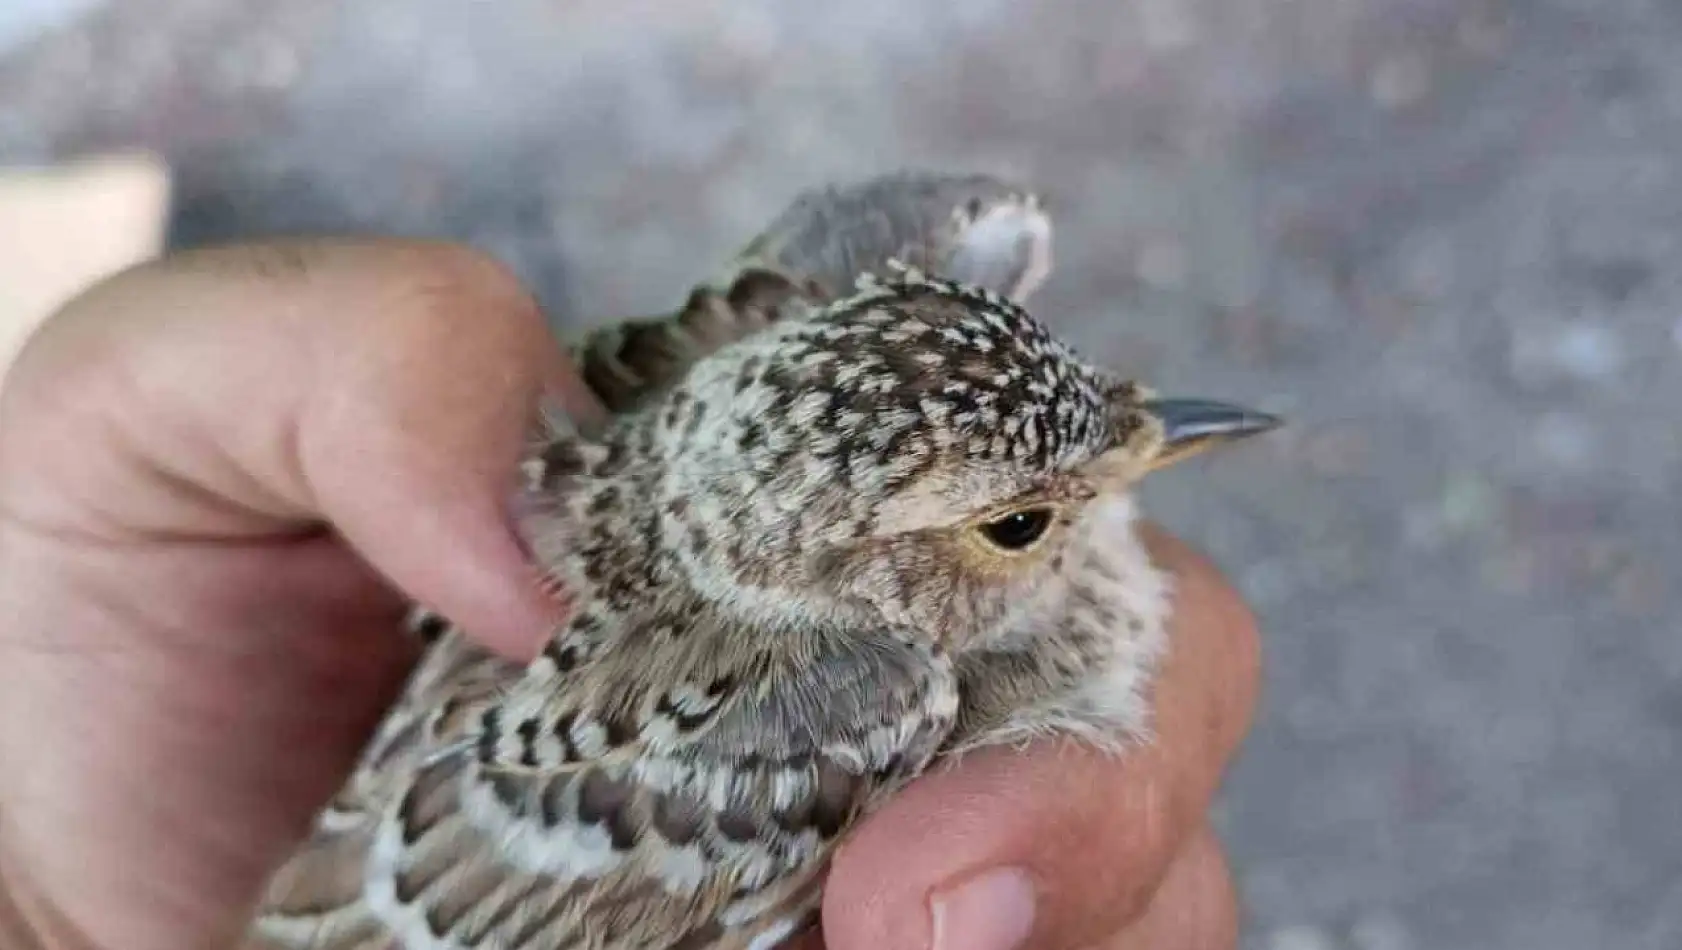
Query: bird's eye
(1018, 530)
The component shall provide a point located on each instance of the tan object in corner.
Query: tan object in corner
(62, 228)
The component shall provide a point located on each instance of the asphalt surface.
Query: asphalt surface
(1443, 236)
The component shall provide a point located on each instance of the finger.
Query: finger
(1060, 845)
(1196, 908)
(384, 387)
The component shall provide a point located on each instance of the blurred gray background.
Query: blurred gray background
(1444, 236)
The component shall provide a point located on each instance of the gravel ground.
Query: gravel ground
(1444, 236)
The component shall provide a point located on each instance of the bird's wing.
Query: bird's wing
(976, 229)
(704, 820)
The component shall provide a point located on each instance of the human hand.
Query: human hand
(217, 471)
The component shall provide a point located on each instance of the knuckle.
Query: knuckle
(458, 279)
(59, 360)
(464, 294)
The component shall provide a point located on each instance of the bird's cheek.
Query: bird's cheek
(1014, 611)
(964, 611)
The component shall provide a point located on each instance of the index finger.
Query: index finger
(1061, 845)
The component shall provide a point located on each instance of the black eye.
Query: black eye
(1019, 529)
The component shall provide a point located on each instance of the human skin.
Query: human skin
(218, 471)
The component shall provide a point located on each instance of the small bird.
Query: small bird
(855, 513)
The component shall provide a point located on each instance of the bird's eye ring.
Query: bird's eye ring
(1019, 530)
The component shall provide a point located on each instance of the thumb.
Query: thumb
(382, 390)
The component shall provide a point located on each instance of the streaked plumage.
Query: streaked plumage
(824, 541)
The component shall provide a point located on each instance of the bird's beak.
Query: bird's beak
(1192, 426)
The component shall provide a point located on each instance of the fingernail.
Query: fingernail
(991, 911)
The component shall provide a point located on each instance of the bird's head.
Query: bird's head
(922, 453)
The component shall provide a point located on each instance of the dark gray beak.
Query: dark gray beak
(1192, 426)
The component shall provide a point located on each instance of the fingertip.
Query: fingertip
(502, 600)
(453, 548)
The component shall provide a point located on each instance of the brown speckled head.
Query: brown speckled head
(922, 452)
